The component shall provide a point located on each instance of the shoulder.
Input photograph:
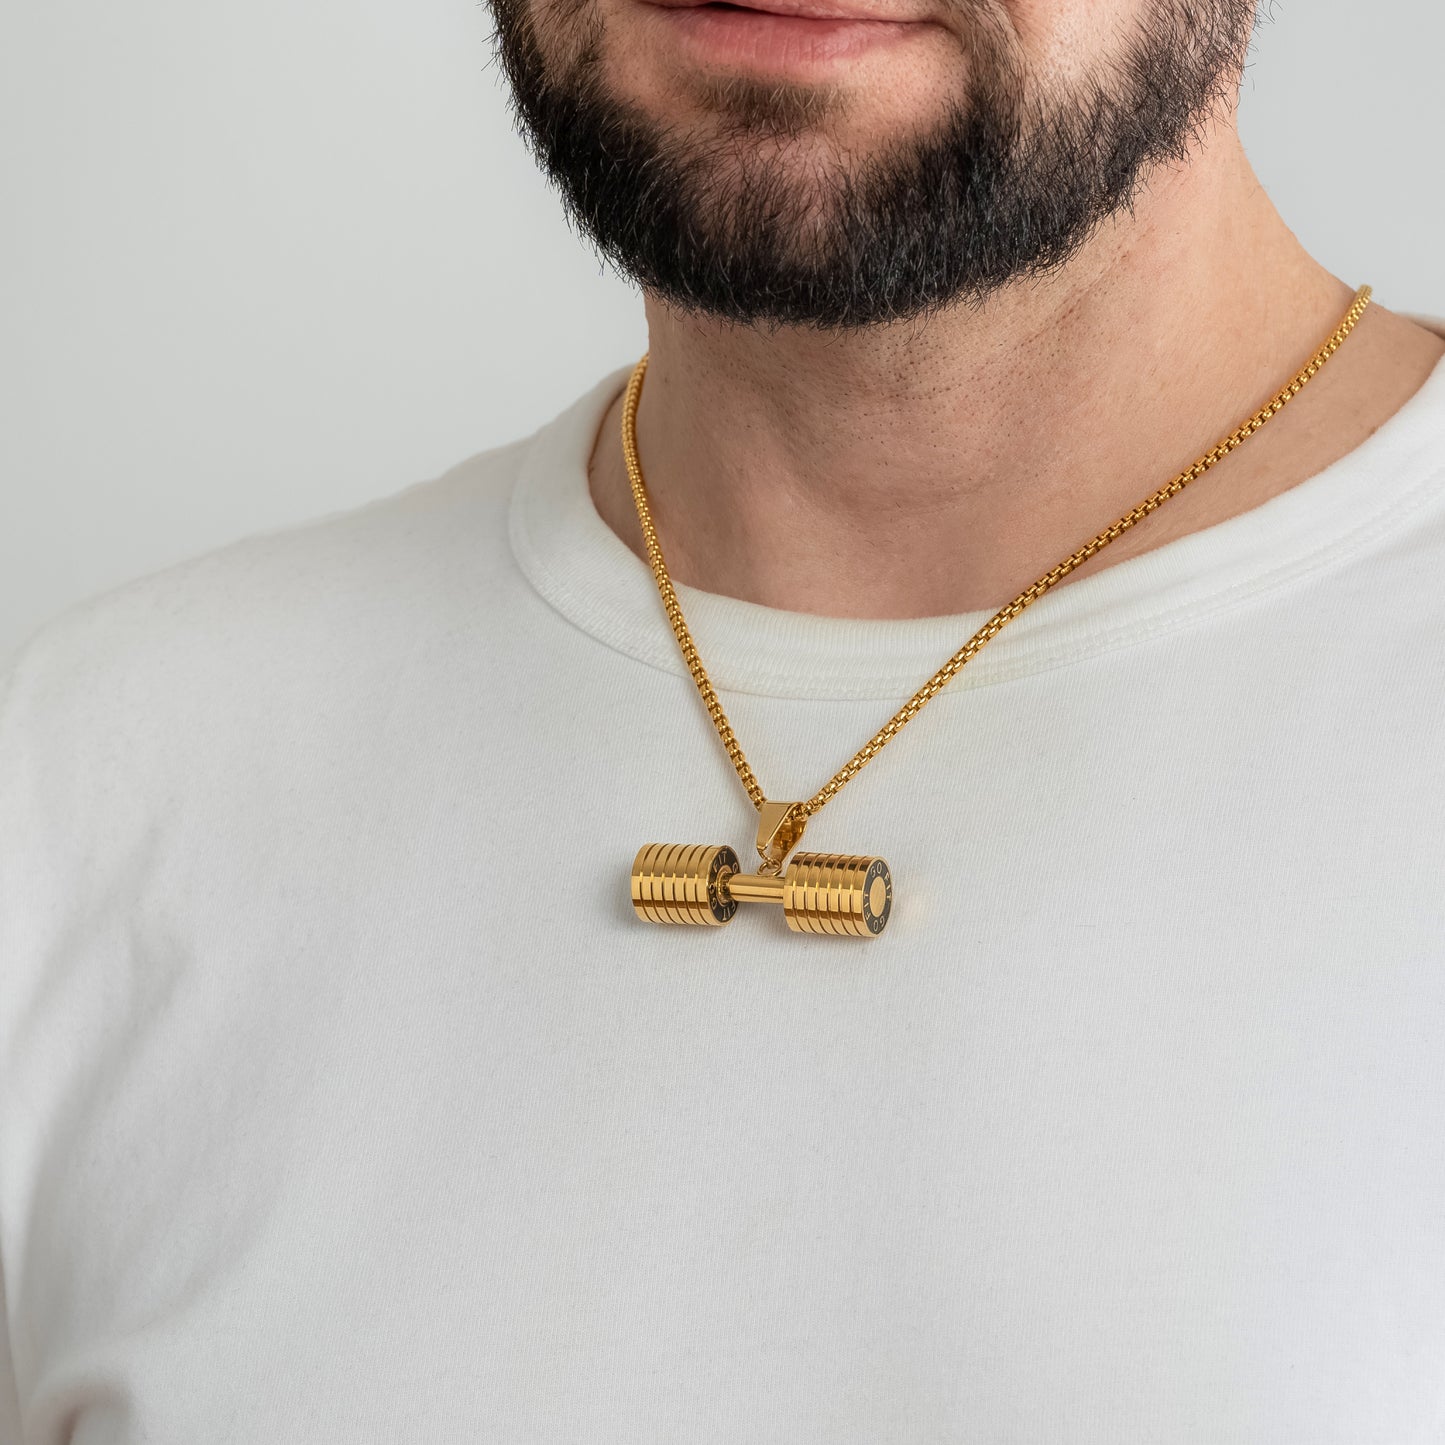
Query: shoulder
(149, 669)
(265, 602)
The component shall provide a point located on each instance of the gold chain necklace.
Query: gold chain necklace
(833, 892)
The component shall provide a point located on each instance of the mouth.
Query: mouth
(782, 38)
(823, 10)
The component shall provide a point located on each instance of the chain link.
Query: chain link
(991, 628)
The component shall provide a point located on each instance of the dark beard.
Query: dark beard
(1000, 190)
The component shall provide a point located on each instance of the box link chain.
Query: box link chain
(990, 629)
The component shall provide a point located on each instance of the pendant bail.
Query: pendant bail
(780, 826)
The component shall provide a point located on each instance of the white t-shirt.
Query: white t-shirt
(343, 1096)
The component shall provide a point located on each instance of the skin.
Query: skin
(942, 465)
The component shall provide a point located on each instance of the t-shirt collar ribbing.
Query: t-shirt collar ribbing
(586, 572)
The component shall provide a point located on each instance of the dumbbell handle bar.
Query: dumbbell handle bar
(752, 887)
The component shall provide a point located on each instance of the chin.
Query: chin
(792, 128)
(854, 81)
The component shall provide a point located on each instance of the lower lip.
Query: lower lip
(761, 40)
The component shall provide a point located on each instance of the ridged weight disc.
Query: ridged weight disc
(837, 893)
(678, 883)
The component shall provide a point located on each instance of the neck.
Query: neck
(941, 466)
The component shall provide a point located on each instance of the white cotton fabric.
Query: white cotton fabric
(343, 1097)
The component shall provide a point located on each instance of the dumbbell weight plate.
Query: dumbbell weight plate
(679, 883)
(837, 893)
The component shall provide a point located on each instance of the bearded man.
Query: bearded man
(1009, 501)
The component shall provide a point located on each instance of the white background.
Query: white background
(264, 261)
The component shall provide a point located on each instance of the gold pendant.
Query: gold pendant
(703, 883)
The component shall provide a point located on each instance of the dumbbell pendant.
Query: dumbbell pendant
(831, 893)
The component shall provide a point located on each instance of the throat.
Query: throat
(940, 493)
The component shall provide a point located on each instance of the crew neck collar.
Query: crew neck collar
(585, 571)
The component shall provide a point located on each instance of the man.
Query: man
(349, 1092)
